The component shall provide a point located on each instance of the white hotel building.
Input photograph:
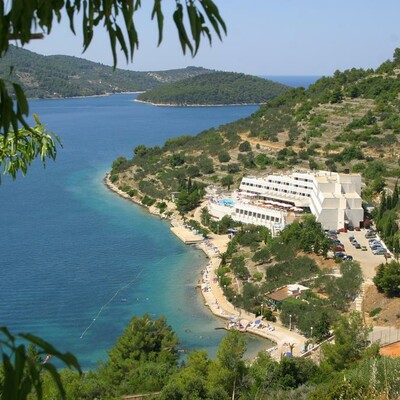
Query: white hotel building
(276, 200)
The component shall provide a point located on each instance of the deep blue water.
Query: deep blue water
(71, 252)
(294, 81)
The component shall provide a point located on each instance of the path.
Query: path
(220, 306)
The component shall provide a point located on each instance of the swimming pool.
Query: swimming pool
(226, 202)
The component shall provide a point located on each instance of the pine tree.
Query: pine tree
(395, 195)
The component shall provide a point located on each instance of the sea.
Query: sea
(294, 81)
(77, 262)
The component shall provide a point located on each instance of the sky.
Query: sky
(265, 37)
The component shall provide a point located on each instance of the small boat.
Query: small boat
(123, 300)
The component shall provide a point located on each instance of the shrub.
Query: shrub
(244, 146)
(387, 279)
(224, 157)
(176, 159)
(161, 206)
(193, 171)
(375, 311)
(132, 192)
(258, 276)
(113, 178)
(206, 165)
(148, 201)
(269, 316)
(233, 168)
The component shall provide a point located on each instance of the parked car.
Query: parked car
(339, 248)
(340, 254)
(348, 258)
(380, 251)
(370, 236)
(357, 228)
(351, 238)
(354, 242)
(343, 230)
(357, 246)
(350, 228)
(374, 242)
(376, 247)
(364, 248)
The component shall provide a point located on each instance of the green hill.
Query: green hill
(65, 76)
(215, 88)
(348, 121)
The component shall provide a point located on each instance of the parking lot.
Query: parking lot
(367, 260)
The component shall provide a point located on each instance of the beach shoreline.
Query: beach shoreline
(86, 97)
(196, 105)
(211, 290)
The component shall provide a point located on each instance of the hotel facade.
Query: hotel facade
(277, 200)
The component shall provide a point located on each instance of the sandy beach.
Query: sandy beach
(196, 105)
(214, 298)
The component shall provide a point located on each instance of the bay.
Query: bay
(76, 261)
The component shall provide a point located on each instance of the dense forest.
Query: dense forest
(215, 88)
(65, 76)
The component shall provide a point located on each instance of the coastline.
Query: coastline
(85, 97)
(196, 105)
(212, 292)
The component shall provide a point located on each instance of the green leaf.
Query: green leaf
(121, 40)
(213, 16)
(21, 99)
(183, 38)
(68, 359)
(56, 377)
(160, 19)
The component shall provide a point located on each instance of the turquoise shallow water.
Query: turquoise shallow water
(76, 261)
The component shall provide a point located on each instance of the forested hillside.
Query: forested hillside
(64, 76)
(347, 121)
(215, 88)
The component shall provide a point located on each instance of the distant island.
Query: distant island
(215, 88)
(64, 76)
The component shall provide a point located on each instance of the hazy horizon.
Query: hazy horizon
(264, 38)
